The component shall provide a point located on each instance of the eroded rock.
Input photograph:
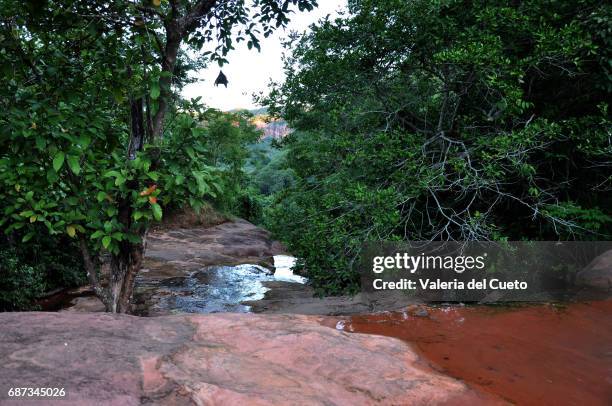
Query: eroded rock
(230, 243)
(229, 359)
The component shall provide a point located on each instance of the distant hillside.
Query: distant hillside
(260, 111)
(255, 112)
(272, 128)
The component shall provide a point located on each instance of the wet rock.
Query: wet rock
(179, 260)
(598, 274)
(176, 281)
(211, 290)
(205, 277)
(230, 359)
(295, 298)
(416, 311)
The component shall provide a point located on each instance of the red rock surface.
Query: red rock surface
(175, 252)
(229, 359)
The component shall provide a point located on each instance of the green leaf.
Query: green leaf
(58, 161)
(84, 141)
(134, 239)
(73, 201)
(154, 90)
(27, 237)
(52, 176)
(71, 230)
(157, 211)
(111, 174)
(97, 234)
(73, 163)
(101, 196)
(190, 152)
(41, 144)
(106, 241)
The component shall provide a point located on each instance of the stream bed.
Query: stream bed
(216, 289)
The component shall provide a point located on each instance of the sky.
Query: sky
(250, 71)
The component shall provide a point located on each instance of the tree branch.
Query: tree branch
(91, 272)
(151, 11)
(190, 21)
(176, 29)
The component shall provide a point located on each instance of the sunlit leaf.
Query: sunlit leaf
(157, 211)
(73, 163)
(58, 161)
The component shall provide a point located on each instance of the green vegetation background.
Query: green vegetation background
(411, 120)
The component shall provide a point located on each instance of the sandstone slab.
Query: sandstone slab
(231, 243)
(229, 359)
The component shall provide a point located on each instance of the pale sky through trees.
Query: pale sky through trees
(249, 71)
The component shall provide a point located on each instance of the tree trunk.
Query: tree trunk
(124, 268)
(92, 274)
(126, 264)
(138, 130)
(173, 43)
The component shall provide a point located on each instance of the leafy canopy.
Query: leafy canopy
(443, 120)
(94, 140)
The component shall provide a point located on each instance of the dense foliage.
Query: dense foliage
(448, 119)
(46, 263)
(20, 283)
(205, 151)
(94, 140)
(267, 174)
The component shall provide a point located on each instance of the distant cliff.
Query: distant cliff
(272, 128)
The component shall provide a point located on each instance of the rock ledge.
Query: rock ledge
(229, 359)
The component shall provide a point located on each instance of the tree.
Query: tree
(445, 120)
(87, 88)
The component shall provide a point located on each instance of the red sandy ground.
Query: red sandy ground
(536, 355)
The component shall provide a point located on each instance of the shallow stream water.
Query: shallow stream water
(215, 289)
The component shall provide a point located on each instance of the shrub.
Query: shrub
(20, 284)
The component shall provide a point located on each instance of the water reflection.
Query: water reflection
(283, 265)
(217, 289)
